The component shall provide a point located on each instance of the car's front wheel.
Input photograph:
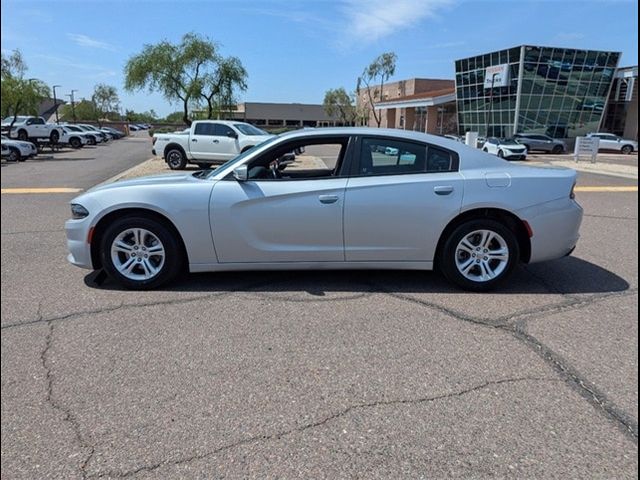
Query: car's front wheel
(140, 253)
(14, 155)
(75, 142)
(176, 159)
(479, 254)
(627, 149)
(557, 150)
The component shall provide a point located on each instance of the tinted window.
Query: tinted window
(204, 129)
(380, 156)
(439, 160)
(38, 121)
(222, 130)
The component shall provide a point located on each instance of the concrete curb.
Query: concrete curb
(118, 176)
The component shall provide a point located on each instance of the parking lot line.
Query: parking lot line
(39, 190)
(607, 189)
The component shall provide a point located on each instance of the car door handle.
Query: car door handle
(216, 141)
(194, 139)
(443, 189)
(328, 198)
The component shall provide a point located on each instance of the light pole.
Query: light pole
(493, 81)
(55, 102)
(73, 105)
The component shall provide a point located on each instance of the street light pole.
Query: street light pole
(55, 102)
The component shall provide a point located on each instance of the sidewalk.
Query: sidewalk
(601, 168)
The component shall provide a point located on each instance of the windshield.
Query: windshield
(19, 119)
(243, 155)
(248, 129)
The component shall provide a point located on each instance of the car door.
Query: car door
(227, 146)
(396, 206)
(609, 142)
(266, 220)
(202, 142)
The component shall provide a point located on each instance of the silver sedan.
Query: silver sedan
(343, 198)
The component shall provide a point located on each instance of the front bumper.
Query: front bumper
(77, 232)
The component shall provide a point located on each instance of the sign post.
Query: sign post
(586, 146)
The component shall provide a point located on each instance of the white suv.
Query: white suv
(609, 141)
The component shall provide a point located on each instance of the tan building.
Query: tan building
(419, 104)
(279, 115)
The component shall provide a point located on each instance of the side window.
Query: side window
(204, 129)
(439, 160)
(38, 121)
(300, 160)
(220, 130)
(380, 156)
(31, 121)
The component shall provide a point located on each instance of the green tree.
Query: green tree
(175, 117)
(373, 79)
(85, 110)
(19, 96)
(149, 116)
(220, 83)
(106, 101)
(338, 103)
(174, 70)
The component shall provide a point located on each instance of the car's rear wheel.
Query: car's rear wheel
(75, 142)
(557, 150)
(479, 255)
(627, 149)
(54, 136)
(14, 155)
(176, 160)
(140, 253)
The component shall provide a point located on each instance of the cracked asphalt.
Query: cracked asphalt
(314, 374)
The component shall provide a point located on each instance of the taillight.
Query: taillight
(572, 194)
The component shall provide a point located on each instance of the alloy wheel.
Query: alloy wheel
(137, 254)
(482, 255)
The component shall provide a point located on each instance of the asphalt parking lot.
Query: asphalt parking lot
(314, 374)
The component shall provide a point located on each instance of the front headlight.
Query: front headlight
(78, 211)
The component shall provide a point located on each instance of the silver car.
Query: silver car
(338, 202)
(543, 143)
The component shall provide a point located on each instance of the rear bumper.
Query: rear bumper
(555, 226)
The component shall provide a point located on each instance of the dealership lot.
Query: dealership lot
(313, 374)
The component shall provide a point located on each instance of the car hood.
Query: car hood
(18, 143)
(150, 180)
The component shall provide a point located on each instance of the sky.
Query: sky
(295, 50)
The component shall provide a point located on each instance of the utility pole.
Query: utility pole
(73, 105)
(55, 102)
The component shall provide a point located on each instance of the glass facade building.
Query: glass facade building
(559, 92)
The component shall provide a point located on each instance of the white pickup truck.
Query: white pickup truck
(207, 142)
(25, 128)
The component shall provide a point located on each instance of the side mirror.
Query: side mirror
(299, 151)
(232, 134)
(241, 173)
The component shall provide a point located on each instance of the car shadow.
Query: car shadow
(51, 158)
(569, 275)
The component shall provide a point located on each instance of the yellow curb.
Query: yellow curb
(39, 190)
(607, 189)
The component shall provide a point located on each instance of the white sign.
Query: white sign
(586, 147)
(496, 76)
(471, 139)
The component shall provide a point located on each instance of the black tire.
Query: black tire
(23, 135)
(500, 153)
(204, 166)
(54, 136)
(75, 142)
(91, 140)
(176, 159)
(14, 155)
(447, 257)
(627, 149)
(486, 150)
(557, 150)
(246, 148)
(527, 147)
(173, 261)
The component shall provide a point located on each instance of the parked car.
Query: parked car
(114, 132)
(471, 214)
(91, 136)
(73, 138)
(454, 137)
(609, 141)
(209, 141)
(27, 127)
(509, 149)
(91, 128)
(133, 128)
(5, 151)
(18, 151)
(543, 143)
